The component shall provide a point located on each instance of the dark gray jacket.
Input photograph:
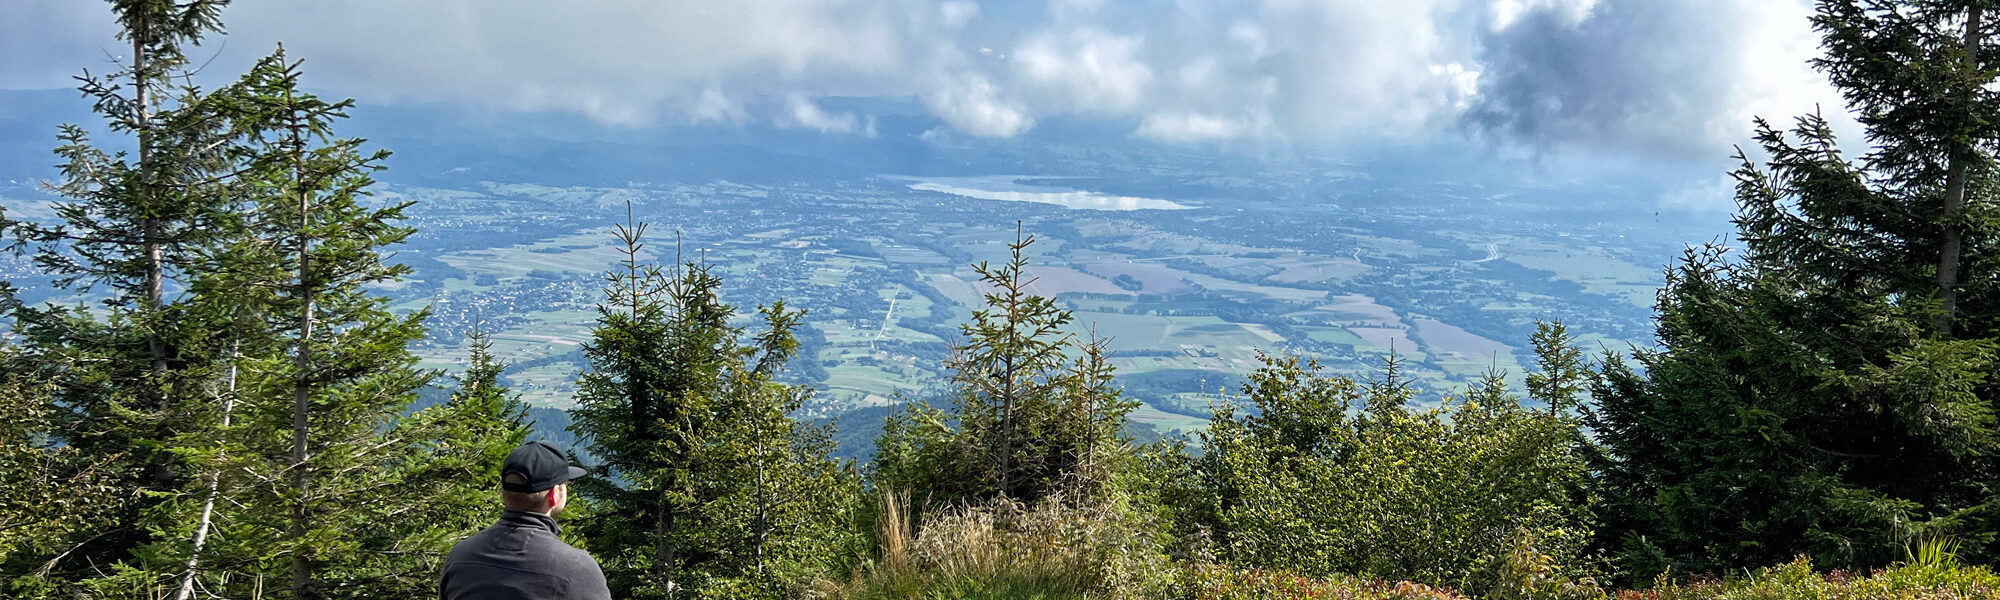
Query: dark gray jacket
(520, 558)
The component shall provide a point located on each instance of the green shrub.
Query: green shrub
(1210, 581)
(1799, 581)
(1324, 475)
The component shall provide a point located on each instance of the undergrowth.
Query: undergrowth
(1059, 549)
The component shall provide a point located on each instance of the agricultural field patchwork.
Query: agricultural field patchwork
(1188, 300)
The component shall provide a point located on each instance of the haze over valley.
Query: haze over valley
(1189, 260)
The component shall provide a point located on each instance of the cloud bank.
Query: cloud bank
(1644, 76)
(1668, 78)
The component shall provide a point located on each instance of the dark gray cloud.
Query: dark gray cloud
(1650, 77)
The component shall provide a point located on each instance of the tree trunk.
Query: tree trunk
(149, 233)
(762, 525)
(1006, 441)
(663, 548)
(1088, 468)
(214, 486)
(1950, 248)
(142, 126)
(301, 382)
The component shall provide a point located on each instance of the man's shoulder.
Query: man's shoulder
(513, 557)
(472, 544)
(579, 570)
(562, 553)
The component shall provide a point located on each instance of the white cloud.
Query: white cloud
(1084, 70)
(1341, 68)
(802, 112)
(616, 60)
(1251, 37)
(1462, 84)
(714, 106)
(954, 15)
(973, 105)
(1197, 127)
(1769, 77)
(1506, 12)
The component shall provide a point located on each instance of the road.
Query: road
(1492, 253)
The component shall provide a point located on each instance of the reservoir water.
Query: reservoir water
(1004, 187)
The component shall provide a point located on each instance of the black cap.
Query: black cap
(541, 463)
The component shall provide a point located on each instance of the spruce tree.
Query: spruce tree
(482, 422)
(233, 307)
(132, 377)
(495, 419)
(1829, 390)
(229, 416)
(330, 469)
(1036, 409)
(49, 493)
(451, 470)
(708, 485)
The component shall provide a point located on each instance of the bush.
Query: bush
(1216, 582)
(1799, 581)
(1329, 476)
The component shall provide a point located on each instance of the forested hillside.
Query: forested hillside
(235, 408)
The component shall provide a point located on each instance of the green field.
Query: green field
(1591, 267)
(1335, 335)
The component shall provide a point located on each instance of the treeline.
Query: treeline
(228, 418)
(237, 415)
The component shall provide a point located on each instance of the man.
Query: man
(520, 558)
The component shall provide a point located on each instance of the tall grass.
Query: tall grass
(1052, 550)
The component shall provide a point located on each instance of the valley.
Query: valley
(1187, 296)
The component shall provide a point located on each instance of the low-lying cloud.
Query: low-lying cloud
(803, 112)
(1645, 77)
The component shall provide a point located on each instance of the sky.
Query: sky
(1638, 80)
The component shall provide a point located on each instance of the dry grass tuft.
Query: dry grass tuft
(1051, 550)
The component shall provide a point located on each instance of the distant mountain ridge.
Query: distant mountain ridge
(438, 144)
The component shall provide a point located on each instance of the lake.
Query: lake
(1004, 188)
